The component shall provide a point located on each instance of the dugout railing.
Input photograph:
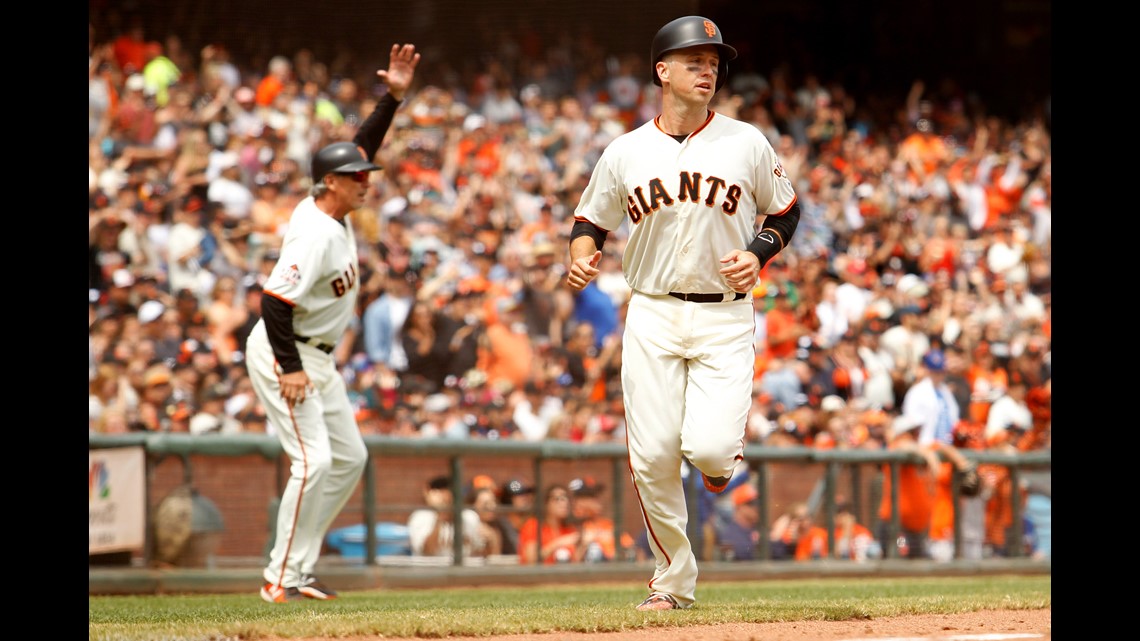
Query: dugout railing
(853, 463)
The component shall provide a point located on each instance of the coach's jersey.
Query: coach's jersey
(317, 273)
(688, 203)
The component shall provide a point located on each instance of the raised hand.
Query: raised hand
(401, 69)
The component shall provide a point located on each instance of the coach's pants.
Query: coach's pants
(325, 448)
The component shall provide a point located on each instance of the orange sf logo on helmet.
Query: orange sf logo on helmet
(710, 28)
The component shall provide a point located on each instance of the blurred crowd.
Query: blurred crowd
(926, 229)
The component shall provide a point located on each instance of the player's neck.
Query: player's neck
(681, 120)
(329, 205)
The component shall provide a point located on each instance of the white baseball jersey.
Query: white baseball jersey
(317, 273)
(688, 204)
(687, 366)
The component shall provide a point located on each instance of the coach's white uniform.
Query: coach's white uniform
(687, 367)
(317, 276)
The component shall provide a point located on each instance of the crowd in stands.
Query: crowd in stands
(926, 226)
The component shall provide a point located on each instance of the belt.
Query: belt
(324, 347)
(707, 298)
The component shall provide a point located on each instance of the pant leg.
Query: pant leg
(348, 456)
(653, 383)
(718, 393)
(305, 440)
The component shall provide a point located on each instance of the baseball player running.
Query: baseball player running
(307, 302)
(691, 183)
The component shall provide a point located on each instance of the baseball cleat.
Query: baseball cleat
(312, 587)
(277, 594)
(659, 601)
(715, 484)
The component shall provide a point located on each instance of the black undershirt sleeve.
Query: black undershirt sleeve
(586, 228)
(372, 130)
(775, 234)
(278, 317)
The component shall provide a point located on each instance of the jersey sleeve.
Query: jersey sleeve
(774, 192)
(603, 202)
(296, 271)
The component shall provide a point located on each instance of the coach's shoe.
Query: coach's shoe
(659, 601)
(277, 594)
(312, 587)
(715, 484)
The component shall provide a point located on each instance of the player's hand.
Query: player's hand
(295, 387)
(741, 270)
(583, 270)
(401, 68)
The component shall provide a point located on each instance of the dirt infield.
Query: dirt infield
(991, 625)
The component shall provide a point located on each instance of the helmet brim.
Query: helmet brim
(354, 167)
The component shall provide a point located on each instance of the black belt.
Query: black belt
(705, 298)
(324, 347)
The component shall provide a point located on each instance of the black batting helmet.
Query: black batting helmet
(340, 158)
(690, 31)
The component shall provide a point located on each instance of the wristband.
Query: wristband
(765, 245)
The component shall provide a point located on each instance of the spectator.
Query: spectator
(492, 526)
(931, 402)
(225, 315)
(212, 417)
(252, 305)
(736, 537)
(270, 86)
(786, 530)
(441, 417)
(228, 191)
(506, 354)
(463, 326)
(592, 305)
(517, 499)
(944, 512)
(187, 264)
(784, 328)
(907, 344)
(988, 382)
(535, 411)
(955, 377)
(587, 508)
(430, 528)
(427, 349)
(383, 322)
(129, 47)
(156, 398)
(853, 540)
(782, 381)
(1010, 412)
(111, 391)
(561, 539)
(542, 297)
(915, 494)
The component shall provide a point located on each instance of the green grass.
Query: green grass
(438, 613)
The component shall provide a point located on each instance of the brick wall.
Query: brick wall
(244, 487)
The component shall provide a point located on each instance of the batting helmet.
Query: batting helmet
(340, 158)
(690, 31)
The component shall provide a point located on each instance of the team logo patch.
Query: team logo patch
(779, 170)
(710, 28)
(291, 275)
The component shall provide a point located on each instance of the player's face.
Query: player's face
(693, 71)
(351, 188)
